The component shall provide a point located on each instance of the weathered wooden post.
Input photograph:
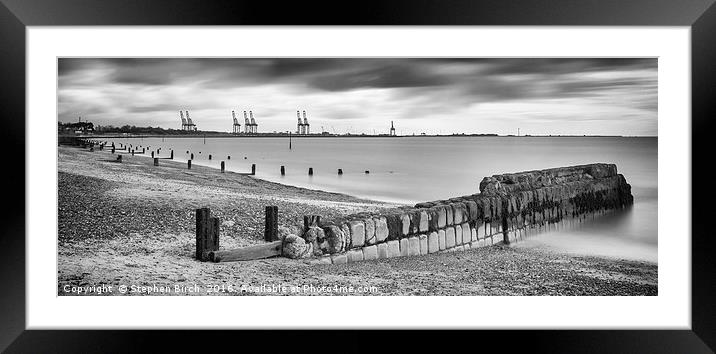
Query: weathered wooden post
(340, 171)
(207, 234)
(156, 161)
(310, 171)
(253, 169)
(283, 171)
(271, 225)
(222, 166)
(188, 165)
(171, 155)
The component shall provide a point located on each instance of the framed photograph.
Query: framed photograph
(403, 166)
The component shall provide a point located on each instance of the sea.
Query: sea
(409, 170)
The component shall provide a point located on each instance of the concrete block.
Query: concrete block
(357, 233)
(339, 259)
(458, 235)
(481, 243)
(414, 221)
(466, 233)
(480, 227)
(370, 252)
(432, 219)
(393, 248)
(369, 231)
(457, 213)
(441, 240)
(346, 234)
(405, 220)
(466, 246)
(442, 216)
(450, 237)
(381, 229)
(459, 248)
(325, 260)
(404, 247)
(473, 234)
(355, 255)
(433, 243)
(395, 226)
(423, 244)
(449, 219)
(413, 246)
(471, 210)
(382, 250)
(424, 221)
(474, 244)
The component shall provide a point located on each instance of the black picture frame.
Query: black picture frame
(16, 15)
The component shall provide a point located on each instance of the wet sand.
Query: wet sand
(132, 225)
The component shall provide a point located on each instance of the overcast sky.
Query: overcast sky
(362, 95)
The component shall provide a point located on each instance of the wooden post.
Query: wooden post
(311, 220)
(310, 171)
(222, 166)
(132, 152)
(192, 156)
(156, 161)
(340, 171)
(207, 234)
(253, 169)
(271, 229)
(209, 156)
(152, 154)
(188, 165)
(112, 149)
(228, 157)
(283, 170)
(171, 156)
(143, 150)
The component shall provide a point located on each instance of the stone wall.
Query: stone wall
(507, 207)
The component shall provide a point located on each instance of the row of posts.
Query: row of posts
(223, 164)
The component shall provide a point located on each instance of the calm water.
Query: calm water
(415, 169)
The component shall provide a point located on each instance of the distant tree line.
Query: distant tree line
(76, 126)
(125, 129)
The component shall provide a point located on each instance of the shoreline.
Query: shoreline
(284, 135)
(132, 224)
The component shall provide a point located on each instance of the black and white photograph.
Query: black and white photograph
(357, 176)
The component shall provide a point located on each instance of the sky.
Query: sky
(538, 96)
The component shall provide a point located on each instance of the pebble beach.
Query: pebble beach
(131, 225)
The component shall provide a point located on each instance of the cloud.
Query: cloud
(148, 91)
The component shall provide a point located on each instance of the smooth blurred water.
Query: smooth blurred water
(415, 169)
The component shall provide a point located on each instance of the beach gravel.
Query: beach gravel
(132, 224)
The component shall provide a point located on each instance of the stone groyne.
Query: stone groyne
(507, 206)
